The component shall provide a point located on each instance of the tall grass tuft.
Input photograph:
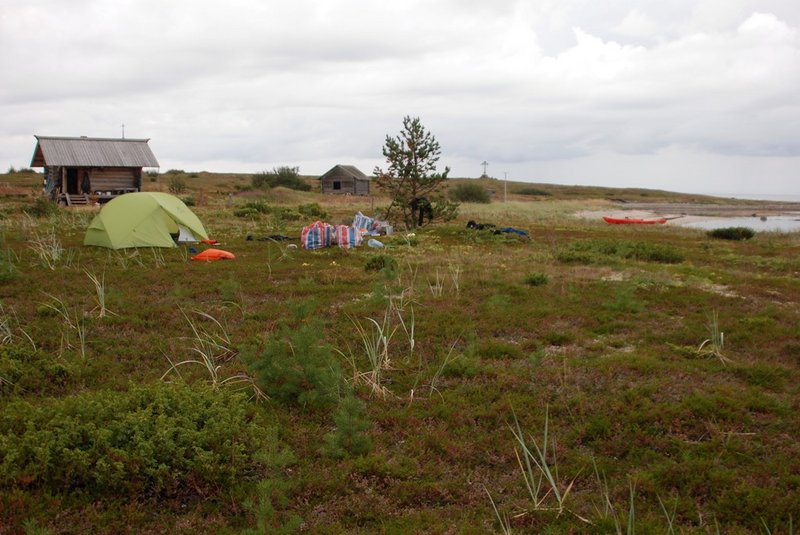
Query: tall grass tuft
(538, 470)
(375, 338)
(100, 294)
(715, 343)
(9, 323)
(212, 348)
(69, 323)
(47, 248)
(436, 286)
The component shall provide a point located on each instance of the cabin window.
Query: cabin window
(337, 185)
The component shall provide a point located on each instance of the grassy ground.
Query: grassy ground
(592, 379)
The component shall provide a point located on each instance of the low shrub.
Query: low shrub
(470, 192)
(600, 251)
(8, 268)
(26, 371)
(154, 440)
(536, 279)
(732, 233)
(381, 262)
(247, 213)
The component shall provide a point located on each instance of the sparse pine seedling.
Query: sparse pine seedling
(536, 279)
(351, 436)
(295, 368)
(230, 290)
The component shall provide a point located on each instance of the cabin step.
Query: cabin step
(76, 199)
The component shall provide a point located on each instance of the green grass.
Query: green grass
(653, 375)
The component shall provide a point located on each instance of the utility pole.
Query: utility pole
(505, 186)
(123, 130)
(485, 164)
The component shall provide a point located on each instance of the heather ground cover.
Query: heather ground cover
(590, 379)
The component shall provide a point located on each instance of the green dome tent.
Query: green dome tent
(144, 219)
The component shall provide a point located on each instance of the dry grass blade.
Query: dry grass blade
(505, 522)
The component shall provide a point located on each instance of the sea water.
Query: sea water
(768, 224)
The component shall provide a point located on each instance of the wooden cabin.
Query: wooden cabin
(345, 180)
(84, 170)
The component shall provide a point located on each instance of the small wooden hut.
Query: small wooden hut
(80, 170)
(345, 180)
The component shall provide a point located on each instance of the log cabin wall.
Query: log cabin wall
(115, 179)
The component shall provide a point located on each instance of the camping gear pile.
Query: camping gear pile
(320, 234)
(495, 230)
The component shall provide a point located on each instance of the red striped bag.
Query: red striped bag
(347, 237)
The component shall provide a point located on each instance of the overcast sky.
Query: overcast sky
(685, 95)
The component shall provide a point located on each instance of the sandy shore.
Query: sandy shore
(684, 213)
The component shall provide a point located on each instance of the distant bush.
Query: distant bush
(188, 201)
(312, 210)
(286, 214)
(258, 206)
(153, 440)
(470, 192)
(288, 177)
(12, 171)
(175, 172)
(252, 210)
(177, 185)
(42, 207)
(533, 191)
(732, 233)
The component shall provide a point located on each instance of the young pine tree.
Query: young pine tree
(411, 179)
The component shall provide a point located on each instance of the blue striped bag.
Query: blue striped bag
(317, 235)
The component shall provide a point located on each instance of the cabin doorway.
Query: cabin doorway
(72, 181)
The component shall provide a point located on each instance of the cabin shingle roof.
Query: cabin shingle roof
(92, 152)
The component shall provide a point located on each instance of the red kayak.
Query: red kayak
(633, 221)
